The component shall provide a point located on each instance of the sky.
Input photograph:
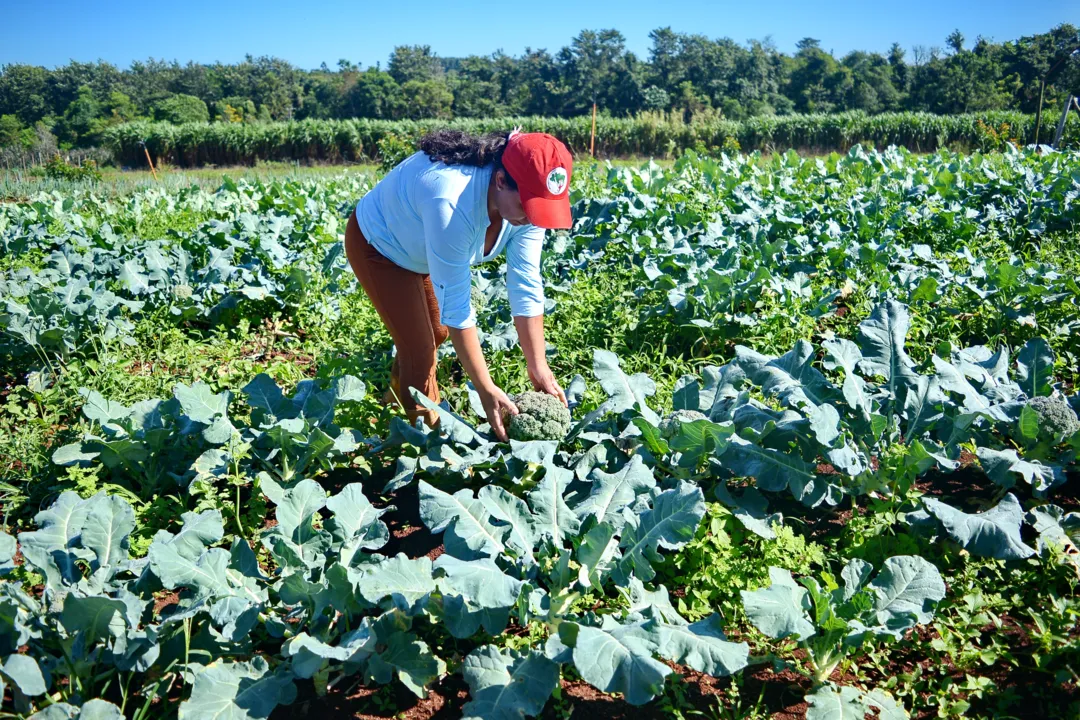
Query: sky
(309, 32)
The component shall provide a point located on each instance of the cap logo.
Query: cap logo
(556, 181)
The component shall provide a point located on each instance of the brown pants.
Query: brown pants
(406, 303)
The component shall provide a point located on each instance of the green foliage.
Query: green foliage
(725, 558)
(60, 169)
(11, 131)
(392, 150)
(181, 108)
(353, 139)
(540, 417)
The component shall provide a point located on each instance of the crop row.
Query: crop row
(359, 140)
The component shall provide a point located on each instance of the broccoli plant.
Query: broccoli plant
(832, 622)
(540, 417)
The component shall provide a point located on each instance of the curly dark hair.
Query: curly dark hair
(456, 147)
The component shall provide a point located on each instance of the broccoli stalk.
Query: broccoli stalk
(540, 417)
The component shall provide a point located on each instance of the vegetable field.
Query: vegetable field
(821, 460)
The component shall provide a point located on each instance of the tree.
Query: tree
(955, 40)
(414, 62)
(427, 99)
(375, 94)
(82, 122)
(597, 68)
(24, 90)
(182, 109)
(10, 130)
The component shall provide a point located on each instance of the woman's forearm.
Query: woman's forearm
(530, 332)
(467, 346)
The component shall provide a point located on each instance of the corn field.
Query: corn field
(357, 140)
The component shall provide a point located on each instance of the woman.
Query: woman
(413, 238)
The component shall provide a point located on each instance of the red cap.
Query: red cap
(541, 166)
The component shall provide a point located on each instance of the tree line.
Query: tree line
(687, 76)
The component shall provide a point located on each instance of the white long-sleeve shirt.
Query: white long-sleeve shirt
(431, 218)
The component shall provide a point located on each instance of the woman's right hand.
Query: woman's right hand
(496, 405)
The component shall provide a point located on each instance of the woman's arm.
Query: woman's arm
(526, 290)
(531, 336)
(451, 279)
(494, 400)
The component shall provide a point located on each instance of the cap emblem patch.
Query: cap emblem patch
(556, 181)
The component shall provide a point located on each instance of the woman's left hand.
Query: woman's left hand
(543, 380)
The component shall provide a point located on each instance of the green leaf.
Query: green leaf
(310, 654)
(8, 548)
(774, 471)
(413, 661)
(355, 517)
(488, 594)
(881, 339)
(263, 393)
(349, 388)
(1000, 465)
(454, 426)
(791, 377)
(624, 392)
(48, 547)
(206, 575)
(611, 492)
(238, 691)
(703, 646)
(1035, 368)
(94, 618)
(23, 672)
(297, 509)
(651, 437)
(466, 521)
(994, 533)
(200, 404)
(511, 510)
(79, 453)
(779, 610)
(888, 708)
(1028, 423)
(109, 521)
(670, 524)
(832, 702)
(100, 410)
(507, 685)
(618, 658)
(133, 278)
(98, 709)
(407, 582)
(595, 554)
(554, 519)
(56, 711)
(906, 589)
(840, 353)
(197, 532)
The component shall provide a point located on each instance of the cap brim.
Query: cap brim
(549, 213)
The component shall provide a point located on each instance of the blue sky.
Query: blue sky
(52, 32)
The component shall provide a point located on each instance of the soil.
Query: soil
(164, 599)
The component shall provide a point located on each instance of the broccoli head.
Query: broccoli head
(540, 417)
(669, 426)
(477, 298)
(1057, 420)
